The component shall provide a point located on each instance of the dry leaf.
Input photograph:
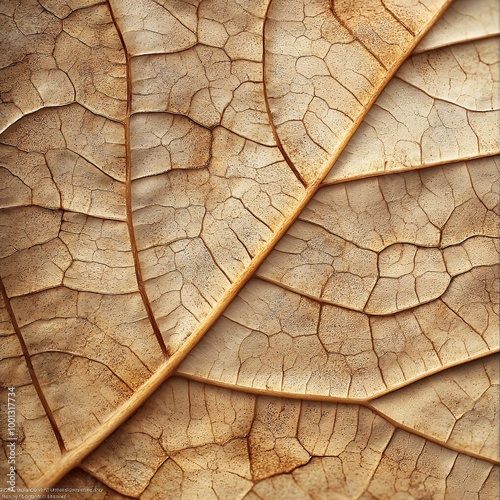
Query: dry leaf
(250, 248)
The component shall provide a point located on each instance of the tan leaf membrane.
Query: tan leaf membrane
(166, 172)
(342, 264)
(32, 427)
(463, 108)
(323, 64)
(59, 54)
(199, 224)
(239, 446)
(463, 21)
(459, 407)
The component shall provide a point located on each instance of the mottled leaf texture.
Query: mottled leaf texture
(249, 248)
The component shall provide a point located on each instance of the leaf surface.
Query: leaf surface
(236, 445)
(155, 154)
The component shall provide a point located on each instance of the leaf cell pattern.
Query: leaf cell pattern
(249, 249)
